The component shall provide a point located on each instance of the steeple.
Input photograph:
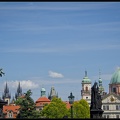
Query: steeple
(86, 79)
(85, 73)
(101, 89)
(52, 93)
(100, 80)
(19, 91)
(6, 95)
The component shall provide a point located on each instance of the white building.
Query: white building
(110, 101)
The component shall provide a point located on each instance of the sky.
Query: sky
(45, 44)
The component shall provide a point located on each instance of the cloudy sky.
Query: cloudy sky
(45, 44)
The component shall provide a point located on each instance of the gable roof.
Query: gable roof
(13, 108)
(107, 95)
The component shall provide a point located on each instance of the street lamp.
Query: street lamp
(71, 100)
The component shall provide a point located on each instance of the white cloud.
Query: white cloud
(55, 74)
(25, 84)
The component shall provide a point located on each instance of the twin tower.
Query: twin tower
(7, 96)
(86, 88)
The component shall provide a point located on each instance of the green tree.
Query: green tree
(1, 72)
(27, 106)
(81, 109)
(56, 109)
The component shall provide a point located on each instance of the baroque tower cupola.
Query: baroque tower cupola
(86, 88)
(101, 88)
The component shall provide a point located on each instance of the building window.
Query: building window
(117, 116)
(117, 107)
(10, 114)
(114, 90)
(107, 116)
(86, 88)
(106, 107)
(40, 109)
(103, 107)
(86, 97)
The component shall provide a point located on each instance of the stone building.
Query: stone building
(110, 100)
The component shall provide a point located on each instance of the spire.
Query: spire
(100, 80)
(85, 73)
(101, 88)
(6, 90)
(6, 93)
(86, 79)
(19, 91)
(99, 74)
(52, 93)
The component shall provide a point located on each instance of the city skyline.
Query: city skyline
(45, 44)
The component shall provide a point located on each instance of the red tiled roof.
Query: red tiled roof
(13, 108)
(41, 104)
(43, 99)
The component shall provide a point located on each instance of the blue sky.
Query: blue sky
(53, 43)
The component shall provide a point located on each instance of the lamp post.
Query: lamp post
(71, 100)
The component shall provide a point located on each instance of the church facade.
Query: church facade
(111, 100)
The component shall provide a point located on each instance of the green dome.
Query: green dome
(100, 80)
(115, 77)
(43, 89)
(86, 79)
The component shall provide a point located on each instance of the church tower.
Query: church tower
(101, 88)
(6, 95)
(52, 93)
(19, 91)
(86, 88)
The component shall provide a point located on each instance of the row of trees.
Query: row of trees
(56, 109)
